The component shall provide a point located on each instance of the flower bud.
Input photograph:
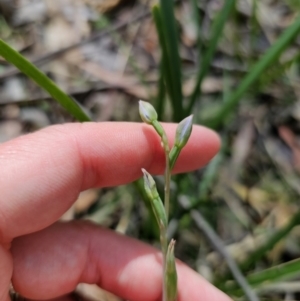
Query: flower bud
(150, 186)
(156, 202)
(171, 274)
(147, 112)
(183, 131)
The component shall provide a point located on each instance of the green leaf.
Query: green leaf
(15, 58)
(161, 95)
(166, 28)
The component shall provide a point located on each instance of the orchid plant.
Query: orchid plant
(160, 209)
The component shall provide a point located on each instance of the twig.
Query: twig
(218, 245)
(47, 57)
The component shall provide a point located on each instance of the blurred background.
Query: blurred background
(237, 65)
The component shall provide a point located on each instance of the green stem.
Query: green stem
(174, 153)
(163, 232)
(165, 144)
(164, 246)
(167, 206)
(167, 184)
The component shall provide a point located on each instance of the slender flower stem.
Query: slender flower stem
(161, 211)
(164, 246)
(165, 145)
(164, 241)
(163, 235)
(167, 179)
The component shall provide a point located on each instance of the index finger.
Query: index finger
(43, 173)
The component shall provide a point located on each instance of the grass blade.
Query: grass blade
(279, 272)
(15, 58)
(208, 56)
(269, 58)
(160, 98)
(218, 245)
(274, 274)
(197, 20)
(166, 27)
(269, 244)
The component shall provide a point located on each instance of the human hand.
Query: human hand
(42, 175)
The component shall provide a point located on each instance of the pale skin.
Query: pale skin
(42, 175)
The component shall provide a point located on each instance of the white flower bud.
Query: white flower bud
(147, 112)
(183, 131)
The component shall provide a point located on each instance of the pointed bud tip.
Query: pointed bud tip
(146, 173)
(188, 119)
(147, 112)
(172, 245)
(148, 180)
(183, 131)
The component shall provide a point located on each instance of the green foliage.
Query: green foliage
(209, 54)
(262, 71)
(269, 58)
(266, 277)
(171, 67)
(43, 81)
